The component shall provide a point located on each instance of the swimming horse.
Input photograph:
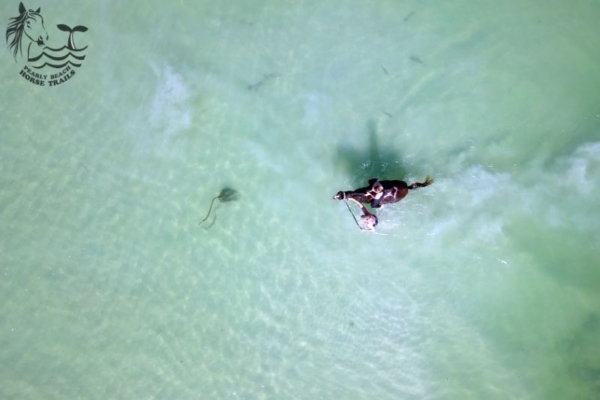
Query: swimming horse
(379, 192)
(28, 24)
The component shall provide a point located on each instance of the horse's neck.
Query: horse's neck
(33, 50)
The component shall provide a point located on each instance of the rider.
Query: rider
(370, 220)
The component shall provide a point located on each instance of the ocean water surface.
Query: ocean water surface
(484, 285)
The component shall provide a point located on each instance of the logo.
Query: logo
(28, 41)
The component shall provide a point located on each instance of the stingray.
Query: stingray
(227, 194)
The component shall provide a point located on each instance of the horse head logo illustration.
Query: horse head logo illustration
(29, 25)
(46, 64)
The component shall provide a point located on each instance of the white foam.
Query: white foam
(165, 117)
(483, 202)
(477, 200)
(170, 111)
(584, 158)
(484, 185)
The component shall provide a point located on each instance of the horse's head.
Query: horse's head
(34, 26)
(340, 196)
(29, 23)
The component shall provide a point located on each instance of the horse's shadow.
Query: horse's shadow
(372, 162)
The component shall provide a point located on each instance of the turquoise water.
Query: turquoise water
(484, 285)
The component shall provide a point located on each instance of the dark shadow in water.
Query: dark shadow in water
(374, 161)
(566, 256)
(576, 348)
(226, 195)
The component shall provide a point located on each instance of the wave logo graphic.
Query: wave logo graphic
(45, 65)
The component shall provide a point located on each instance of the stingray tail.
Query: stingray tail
(209, 210)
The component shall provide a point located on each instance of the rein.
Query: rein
(351, 213)
(357, 224)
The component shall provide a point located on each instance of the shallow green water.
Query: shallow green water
(481, 286)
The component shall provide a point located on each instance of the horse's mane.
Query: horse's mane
(16, 28)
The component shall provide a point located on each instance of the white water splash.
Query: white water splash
(584, 162)
(165, 117)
